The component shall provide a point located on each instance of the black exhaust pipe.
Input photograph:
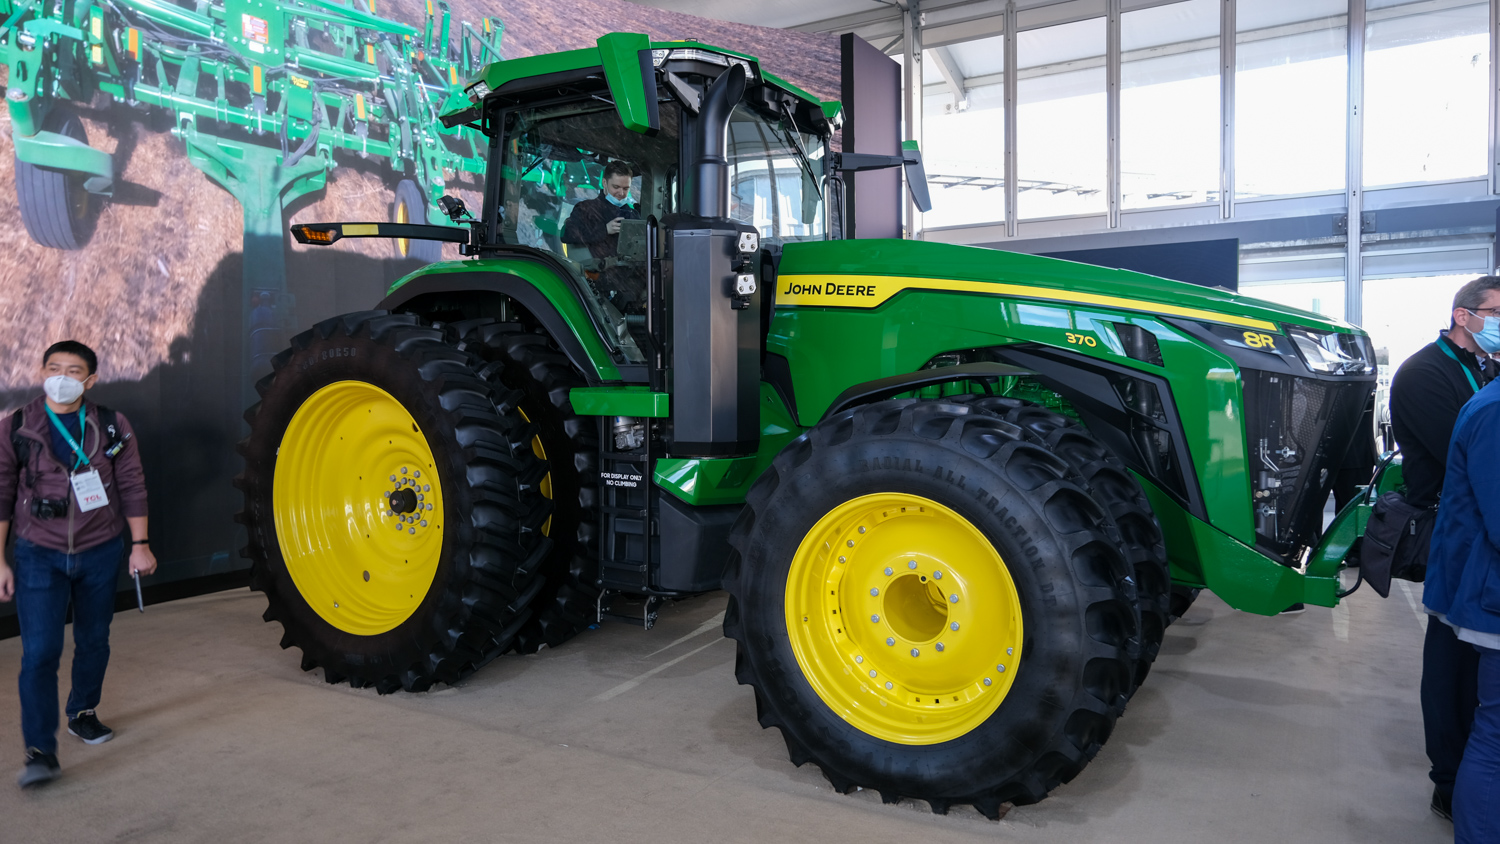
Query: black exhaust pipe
(711, 170)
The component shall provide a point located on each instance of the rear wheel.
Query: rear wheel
(410, 206)
(55, 208)
(927, 605)
(392, 504)
(530, 363)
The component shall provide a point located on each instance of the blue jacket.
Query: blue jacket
(1463, 569)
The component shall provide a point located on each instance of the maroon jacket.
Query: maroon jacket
(124, 482)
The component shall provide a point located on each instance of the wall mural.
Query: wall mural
(152, 154)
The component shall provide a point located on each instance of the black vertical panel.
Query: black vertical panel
(870, 84)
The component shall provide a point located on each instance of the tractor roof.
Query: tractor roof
(620, 56)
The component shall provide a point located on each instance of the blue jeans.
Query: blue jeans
(46, 580)
(1476, 793)
(1450, 670)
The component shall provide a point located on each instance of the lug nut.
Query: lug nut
(874, 619)
(888, 685)
(393, 477)
(841, 559)
(986, 681)
(403, 470)
(861, 528)
(953, 598)
(417, 473)
(891, 642)
(937, 575)
(874, 592)
(424, 523)
(413, 530)
(1009, 651)
(429, 506)
(889, 571)
(912, 564)
(939, 647)
(859, 659)
(915, 652)
(953, 626)
(427, 487)
(1002, 668)
(872, 672)
(851, 543)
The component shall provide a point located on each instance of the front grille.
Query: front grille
(1298, 431)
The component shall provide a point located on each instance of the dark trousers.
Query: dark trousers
(1450, 693)
(46, 581)
(1476, 796)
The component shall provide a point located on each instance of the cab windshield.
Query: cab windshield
(774, 185)
(580, 185)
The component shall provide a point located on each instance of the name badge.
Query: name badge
(88, 491)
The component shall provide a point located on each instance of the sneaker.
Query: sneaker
(40, 767)
(1442, 805)
(86, 726)
(1294, 609)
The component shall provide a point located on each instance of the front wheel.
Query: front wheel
(928, 604)
(55, 208)
(410, 206)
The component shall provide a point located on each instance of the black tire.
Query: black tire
(55, 208)
(1075, 668)
(529, 361)
(487, 571)
(410, 206)
(1182, 599)
(1118, 492)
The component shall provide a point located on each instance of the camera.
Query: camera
(49, 508)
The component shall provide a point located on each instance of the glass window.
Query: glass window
(1062, 131)
(1169, 104)
(1291, 81)
(1405, 314)
(1320, 297)
(773, 179)
(964, 141)
(580, 185)
(1427, 75)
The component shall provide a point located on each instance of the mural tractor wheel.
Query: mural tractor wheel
(393, 503)
(55, 208)
(410, 206)
(524, 360)
(928, 603)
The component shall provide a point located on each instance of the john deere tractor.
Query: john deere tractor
(955, 494)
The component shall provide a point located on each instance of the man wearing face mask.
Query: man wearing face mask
(1428, 392)
(71, 482)
(595, 223)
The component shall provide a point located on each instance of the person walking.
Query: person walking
(1463, 594)
(71, 482)
(1427, 393)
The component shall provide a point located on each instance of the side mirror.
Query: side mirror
(916, 176)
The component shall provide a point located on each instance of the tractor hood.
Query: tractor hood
(922, 265)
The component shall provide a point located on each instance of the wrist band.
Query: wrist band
(141, 542)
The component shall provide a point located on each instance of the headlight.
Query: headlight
(478, 91)
(661, 56)
(1333, 352)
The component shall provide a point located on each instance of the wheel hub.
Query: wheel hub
(904, 618)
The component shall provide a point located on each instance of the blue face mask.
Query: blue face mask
(618, 203)
(1488, 337)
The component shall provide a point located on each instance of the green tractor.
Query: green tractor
(955, 494)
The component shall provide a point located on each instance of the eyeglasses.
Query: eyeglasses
(1484, 312)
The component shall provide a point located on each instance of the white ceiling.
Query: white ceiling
(784, 14)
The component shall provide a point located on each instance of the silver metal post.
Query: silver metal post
(1112, 107)
(1012, 183)
(911, 22)
(1227, 64)
(1494, 96)
(1354, 186)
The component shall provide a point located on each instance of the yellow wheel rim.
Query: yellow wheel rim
(904, 618)
(403, 245)
(545, 487)
(358, 508)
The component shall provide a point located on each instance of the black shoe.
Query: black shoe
(86, 726)
(40, 767)
(1442, 805)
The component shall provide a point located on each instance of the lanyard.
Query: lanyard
(1441, 345)
(83, 459)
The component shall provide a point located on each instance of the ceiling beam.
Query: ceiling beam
(952, 76)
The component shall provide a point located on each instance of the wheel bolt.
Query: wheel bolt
(403, 470)
(953, 626)
(841, 559)
(915, 652)
(912, 564)
(861, 528)
(874, 619)
(891, 642)
(939, 647)
(859, 659)
(889, 571)
(953, 598)
(424, 523)
(986, 681)
(872, 672)
(393, 477)
(851, 543)
(417, 473)
(937, 575)
(888, 685)
(1002, 668)
(874, 592)
(413, 530)
(429, 506)
(1009, 651)
(427, 487)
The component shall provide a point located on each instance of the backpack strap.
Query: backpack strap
(110, 422)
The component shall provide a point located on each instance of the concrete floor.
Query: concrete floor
(1299, 728)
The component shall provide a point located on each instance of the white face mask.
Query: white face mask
(62, 389)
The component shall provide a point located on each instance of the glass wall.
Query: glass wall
(1061, 134)
(964, 141)
(1291, 84)
(1427, 73)
(1169, 105)
(1405, 314)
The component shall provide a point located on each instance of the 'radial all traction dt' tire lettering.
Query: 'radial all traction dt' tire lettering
(525, 360)
(1113, 487)
(392, 504)
(927, 604)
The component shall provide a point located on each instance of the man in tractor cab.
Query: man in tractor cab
(595, 223)
(1427, 393)
(71, 481)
